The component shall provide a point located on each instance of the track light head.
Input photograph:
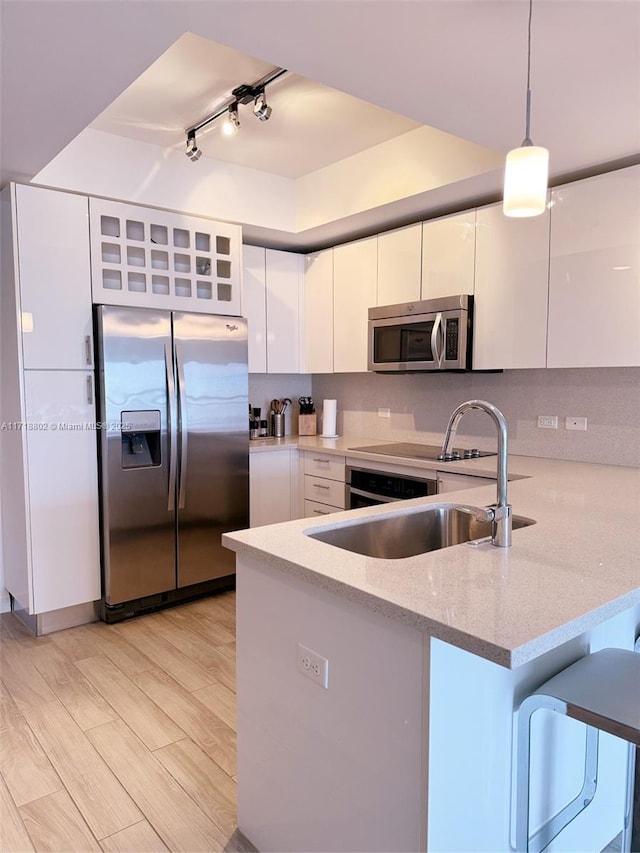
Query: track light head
(192, 151)
(260, 107)
(232, 122)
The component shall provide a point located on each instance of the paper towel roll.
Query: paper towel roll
(329, 412)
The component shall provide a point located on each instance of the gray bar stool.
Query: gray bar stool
(603, 691)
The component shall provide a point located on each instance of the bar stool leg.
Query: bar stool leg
(631, 827)
(632, 814)
(563, 818)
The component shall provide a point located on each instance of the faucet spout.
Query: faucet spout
(501, 511)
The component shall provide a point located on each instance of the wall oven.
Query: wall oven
(431, 335)
(367, 487)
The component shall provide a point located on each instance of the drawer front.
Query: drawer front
(324, 465)
(325, 491)
(312, 509)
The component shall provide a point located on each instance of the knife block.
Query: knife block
(308, 424)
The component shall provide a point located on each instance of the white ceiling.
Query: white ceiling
(310, 127)
(456, 65)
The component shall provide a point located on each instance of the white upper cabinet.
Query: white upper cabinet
(399, 264)
(318, 313)
(354, 292)
(511, 290)
(272, 293)
(448, 255)
(54, 279)
(158, 259)
(284, 288)
(594, 290)
(254, 305)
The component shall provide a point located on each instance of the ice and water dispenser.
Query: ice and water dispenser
(140, 439)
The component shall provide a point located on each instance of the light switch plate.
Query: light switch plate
(548, 421)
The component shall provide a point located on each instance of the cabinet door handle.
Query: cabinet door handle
(321, 512)
(324, 461)
(87, 349)
(318, 486)
(89, 391)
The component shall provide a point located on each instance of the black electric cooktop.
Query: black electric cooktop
(423, 451)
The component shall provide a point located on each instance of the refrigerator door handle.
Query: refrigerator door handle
(172, 421)
(184, 429)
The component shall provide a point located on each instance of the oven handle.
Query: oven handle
(380, 498)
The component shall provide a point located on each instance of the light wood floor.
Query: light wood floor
(121, 737)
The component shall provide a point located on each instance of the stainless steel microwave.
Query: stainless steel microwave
(430, 335)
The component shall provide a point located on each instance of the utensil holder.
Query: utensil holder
(308, 424)
(277, 425)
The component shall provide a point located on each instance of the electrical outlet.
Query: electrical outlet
(575, 423)
(548, 421)
(313, 665)
(384, 413)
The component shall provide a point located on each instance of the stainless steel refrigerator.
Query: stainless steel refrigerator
(174, 453)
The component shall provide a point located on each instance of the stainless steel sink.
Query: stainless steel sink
(406, 534)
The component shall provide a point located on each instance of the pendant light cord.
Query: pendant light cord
(527, 128)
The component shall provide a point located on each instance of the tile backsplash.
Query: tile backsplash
(265, 387)
(420, 405)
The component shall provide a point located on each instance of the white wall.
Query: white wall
(421, 404)
(102, 164)
(404, 177)
(264, 387)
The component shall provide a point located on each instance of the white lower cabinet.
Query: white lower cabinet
(329, 492)
(273, 486)
(324, 488)
(312, 509)
(61, 455)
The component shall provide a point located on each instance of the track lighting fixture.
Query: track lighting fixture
(192, 151)
(261, 109)
(232, 122)
(244, 94)
(526, 171)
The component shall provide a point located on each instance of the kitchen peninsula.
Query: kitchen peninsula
(410, 745)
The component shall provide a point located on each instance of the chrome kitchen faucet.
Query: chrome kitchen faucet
(498, 514)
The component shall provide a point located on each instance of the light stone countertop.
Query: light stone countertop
(260, 445)
(576, 567)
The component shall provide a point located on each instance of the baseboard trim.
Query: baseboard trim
(57, 620)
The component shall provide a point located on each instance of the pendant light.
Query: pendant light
(526, 171)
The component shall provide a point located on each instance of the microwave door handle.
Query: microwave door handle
(436, 349)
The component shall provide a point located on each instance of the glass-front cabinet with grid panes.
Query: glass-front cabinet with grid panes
(153, 258)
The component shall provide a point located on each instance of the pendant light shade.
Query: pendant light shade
(526, 173)
(525, 181)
